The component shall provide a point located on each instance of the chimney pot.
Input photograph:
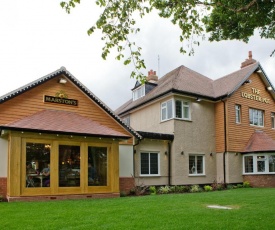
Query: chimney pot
(152, 76)
(250, 54)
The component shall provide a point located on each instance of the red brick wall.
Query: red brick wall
(3, 187)
(126, 184)
(260, 180)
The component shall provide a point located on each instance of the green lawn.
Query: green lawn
(252, 209)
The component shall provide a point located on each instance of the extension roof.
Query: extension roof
(79, 85)
(185, 81)
(259, 142)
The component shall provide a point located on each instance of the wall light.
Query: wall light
(182, 152)
(269, 88)
(166, 153)
(198, 99)
(62, 81)
(211, 154)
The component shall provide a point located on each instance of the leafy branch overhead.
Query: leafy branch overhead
(215, 20)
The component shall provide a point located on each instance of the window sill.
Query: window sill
(259, 173)
(145, 175)
(196, 175)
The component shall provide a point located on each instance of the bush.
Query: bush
(246, 184)
(123, 194)
(239, 186)
(153, 190)
(230, 186)
(164, 189)
(207, 188)
(195, 188)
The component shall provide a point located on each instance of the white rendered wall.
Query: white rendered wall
(126, 161)
(3, 157)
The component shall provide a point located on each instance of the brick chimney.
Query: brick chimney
(248, 61)
(152, 77)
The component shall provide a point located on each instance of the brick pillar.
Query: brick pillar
(126, 184)
(3, 187)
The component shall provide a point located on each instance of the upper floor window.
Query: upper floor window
(149, 163)
(256, 117)
(238, 113)
(273, 120)
(167, 110)
(175, 109)
(259, 164)
(126, 120)
(196, 164)
(182, 109)
(139, 92)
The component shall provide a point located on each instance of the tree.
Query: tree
(214, 20)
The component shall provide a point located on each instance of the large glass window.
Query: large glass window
(149, 163)
(167, 110)
(97, 166)
(259, 163)
(69, 166)
(256, 117)
(238, 113)
(196, 164)
(38, 156)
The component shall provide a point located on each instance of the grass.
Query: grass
(252, 209)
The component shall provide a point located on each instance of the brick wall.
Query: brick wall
(260, 180)
(126, 184)
(3, 187)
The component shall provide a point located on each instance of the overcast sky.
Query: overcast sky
(38, 37)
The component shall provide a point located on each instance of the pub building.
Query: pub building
(59, 141)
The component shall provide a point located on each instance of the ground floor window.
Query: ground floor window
(149, 163)
(196, 164)
(38, 156)
(261, 163)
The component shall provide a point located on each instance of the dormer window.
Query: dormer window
(139, 92)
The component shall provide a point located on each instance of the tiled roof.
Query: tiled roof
(187, 82)
(84, 89)
(56, 121)
(259, 142)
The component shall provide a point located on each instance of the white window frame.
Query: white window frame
(139, 92)
(272, 120)
(238, 114)
(195, 173)
(259, 157)
(258, 115)
(149, 174)
(166, 114)
(184, 105)
(165, 110)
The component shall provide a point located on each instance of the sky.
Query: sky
(38, 37)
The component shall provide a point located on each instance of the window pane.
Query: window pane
(238, 113)
(272, 121)
(186, 110)
(199, 164)
(260, 163)
(69, 166)
(169, 109)
(163, 111)
(192, 165)
(97, 166)
(153, 163)
(38, 165)
(178, 109)
(248, 164)
(144, 163)
(271, 161)
(251, 116)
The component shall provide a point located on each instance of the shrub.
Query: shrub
(123, 194)
(164, 189)
(195, 188)
(153, 190)
(207, 188)
(246, 184)
(239, 186)
(230, 186)
(217, 186)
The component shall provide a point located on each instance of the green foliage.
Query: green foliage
(207, 188)
(195, 188)
(123, 194)
(164, 189)
(229, 186)
(217, 186)
(239, 186)
(221, 19)
(246, 184)
(153, 190)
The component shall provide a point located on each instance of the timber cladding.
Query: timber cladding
(32, 101)
(252, 95)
